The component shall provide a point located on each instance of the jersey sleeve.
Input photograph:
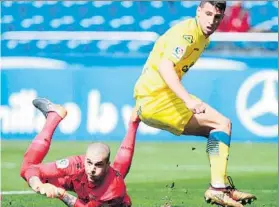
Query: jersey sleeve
(177, 46)
(60, 168)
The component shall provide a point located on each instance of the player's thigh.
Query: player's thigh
(166, 112)
(202, 124)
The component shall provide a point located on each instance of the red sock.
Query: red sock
(39, 147)
(124, 156)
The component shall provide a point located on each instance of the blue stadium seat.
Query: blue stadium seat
(154, 16)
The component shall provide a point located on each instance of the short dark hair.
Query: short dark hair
(221, 5)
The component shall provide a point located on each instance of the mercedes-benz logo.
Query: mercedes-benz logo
(268, 103)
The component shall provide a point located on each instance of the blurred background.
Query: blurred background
(87, 55)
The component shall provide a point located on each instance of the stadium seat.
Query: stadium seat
(154, 16)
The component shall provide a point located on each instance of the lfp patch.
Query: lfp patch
(62, 164)
(178, 52)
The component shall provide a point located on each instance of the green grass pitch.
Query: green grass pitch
(177, 173)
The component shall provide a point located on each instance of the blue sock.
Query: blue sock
(218, 145)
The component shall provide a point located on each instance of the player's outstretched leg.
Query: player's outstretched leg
(218, 151)
(124, 156)
(39, 147)
(217, 129)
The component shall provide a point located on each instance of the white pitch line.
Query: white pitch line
(17, 192)
(8, 165)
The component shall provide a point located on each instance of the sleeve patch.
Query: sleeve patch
(62, 164)
(178, 52)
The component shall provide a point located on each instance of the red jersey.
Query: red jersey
(236, 20)
(70, 174)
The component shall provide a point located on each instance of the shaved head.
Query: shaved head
(98, 150)
(97, 161)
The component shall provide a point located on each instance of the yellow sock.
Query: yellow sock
(218, 152)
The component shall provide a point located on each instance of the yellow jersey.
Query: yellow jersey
(183, 44)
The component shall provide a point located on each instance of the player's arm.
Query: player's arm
(113, 196)
(173, 54)
(124, 156)
(35, 183)
(68, 199)
(36, 173)
(72, 201)
(168, 73)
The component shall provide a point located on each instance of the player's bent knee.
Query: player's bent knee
(230, 126)
(224, 125)
(227, 125)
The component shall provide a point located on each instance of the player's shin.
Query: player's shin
(39, 147)
(218, 151)
(124, 156)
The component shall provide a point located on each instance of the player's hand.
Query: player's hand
(36, 187)
(35, 183)
(49, 190)
(196, 106)
(61, 192)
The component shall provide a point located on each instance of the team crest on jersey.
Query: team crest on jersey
(178, 52)
(62, 164)
(188, 38)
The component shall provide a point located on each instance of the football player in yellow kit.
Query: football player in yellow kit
(162, 101)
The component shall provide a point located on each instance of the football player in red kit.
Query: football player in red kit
(91, 176)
